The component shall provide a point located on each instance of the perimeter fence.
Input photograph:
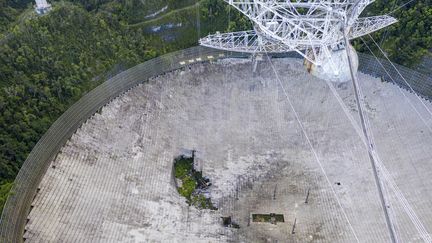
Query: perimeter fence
(425, 66)
(18, 205)
(408, 79)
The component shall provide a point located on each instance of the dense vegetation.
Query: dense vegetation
(192, 183)
(8, 14)
(48, 62)
(407, 41)
(268, 218)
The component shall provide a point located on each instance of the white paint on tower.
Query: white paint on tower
(42, 6)
(334, 67)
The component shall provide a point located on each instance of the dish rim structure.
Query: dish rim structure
(19, 203)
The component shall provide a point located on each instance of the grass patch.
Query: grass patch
(268, 218)
(193, 184)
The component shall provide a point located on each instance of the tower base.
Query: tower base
(334, 67)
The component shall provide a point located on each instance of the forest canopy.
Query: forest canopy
(408, 40)
(48, 62)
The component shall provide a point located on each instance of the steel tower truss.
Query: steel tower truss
(310, 27)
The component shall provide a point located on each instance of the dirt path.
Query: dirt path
(163, 16)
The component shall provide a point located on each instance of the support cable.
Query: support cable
(401, 6)
(386, 174)
(404, 202)
(406, 82)
(399, 88)
(368, 140)
(384, 36)
(313, 149)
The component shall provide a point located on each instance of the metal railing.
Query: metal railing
(18, 205)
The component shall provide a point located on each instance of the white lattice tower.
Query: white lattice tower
(312, 28)
(42, 6)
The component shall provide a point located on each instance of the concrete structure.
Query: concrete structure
(42, 6)
(112, 181)
(339, 59)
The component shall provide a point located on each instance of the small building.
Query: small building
(42, 6)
